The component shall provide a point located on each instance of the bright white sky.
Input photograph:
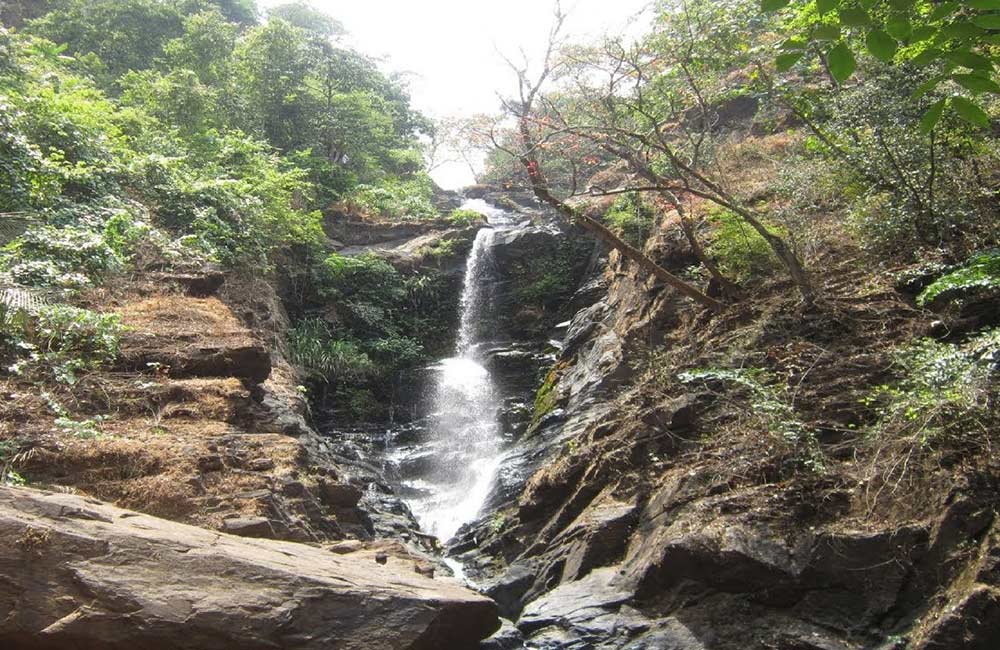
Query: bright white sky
(449, 47)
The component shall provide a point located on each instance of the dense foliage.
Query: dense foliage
(225, 132)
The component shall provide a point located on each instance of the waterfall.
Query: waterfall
(464, 442)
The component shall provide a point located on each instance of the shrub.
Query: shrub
(945, 393)
(464, 218)
(362, 278)
(63, 341)
(981, 271)
(632, 219)
(25, 179)
(312, 346)
(46, 256)
(769, 403)
(739, 250)
(396, 199)
(396, 352)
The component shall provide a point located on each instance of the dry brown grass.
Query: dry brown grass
(176, 316)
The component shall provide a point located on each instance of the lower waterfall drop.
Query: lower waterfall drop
(465, 438)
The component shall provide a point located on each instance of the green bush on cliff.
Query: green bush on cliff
(361, 278)
(631, 218)
(945, 393)
(46, 256)
(62, 342)
(396, 199)
(312, 346)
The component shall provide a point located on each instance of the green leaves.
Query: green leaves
(784, 62)
(826, 33)
(826, 6)
(932, 116)
(976, 83)
(987, 21)
(899, 28)
(841, 63)
(882, 46)
(957, 37)
(928, 86)
(928, 56)
(970, 60)
(773, 5)
(854, 17)
(969, 112)
(962, 30)
(942, 11)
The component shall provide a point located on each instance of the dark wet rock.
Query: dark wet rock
(248, 527)
(508, 590)
(584, 605)
(339, 495)
(970, 622)
(508, 637)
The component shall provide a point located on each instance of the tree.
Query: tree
(206, 47)
(309, 19)
(523, 110)
(273, 62)
(125, 35)
(646, 106)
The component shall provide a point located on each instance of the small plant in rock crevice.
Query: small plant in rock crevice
(10, 456)
(68, 425)
(546, 398)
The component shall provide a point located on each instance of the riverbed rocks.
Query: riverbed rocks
(80, 573)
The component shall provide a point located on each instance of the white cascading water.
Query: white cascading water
(465, 435)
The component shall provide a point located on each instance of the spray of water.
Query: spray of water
(465, 433)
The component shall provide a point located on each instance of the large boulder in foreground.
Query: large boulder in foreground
(78, 573)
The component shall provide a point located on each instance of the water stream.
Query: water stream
(465, 437)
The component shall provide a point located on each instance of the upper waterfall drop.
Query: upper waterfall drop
(465, 437)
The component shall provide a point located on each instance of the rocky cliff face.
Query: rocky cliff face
(656, 513)
(202, 423)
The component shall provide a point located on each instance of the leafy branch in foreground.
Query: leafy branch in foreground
(955, 39)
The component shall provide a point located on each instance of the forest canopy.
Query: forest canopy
(224, 129)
